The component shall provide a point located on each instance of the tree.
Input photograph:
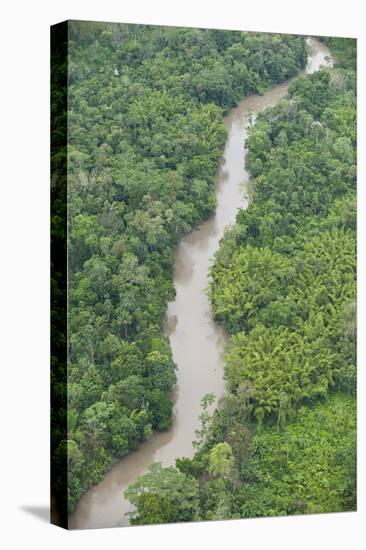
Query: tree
(205, 419)
(221, 462)
(177, 489)
(153, 509)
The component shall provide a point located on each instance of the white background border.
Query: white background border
(24, 219)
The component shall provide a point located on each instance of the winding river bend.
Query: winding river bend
(196, 340)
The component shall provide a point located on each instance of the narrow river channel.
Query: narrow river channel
(197, 342)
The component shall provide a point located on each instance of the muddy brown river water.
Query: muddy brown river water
(197, 342)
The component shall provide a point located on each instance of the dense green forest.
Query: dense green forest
(283, 439)
(145, 136)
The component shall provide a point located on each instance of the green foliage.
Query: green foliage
(309, 467)
(221, 461)
(293, 320)
(176, 489)
(204, 418)
(285, 274)
(153, 509)
(344, 49)
(145, 137)
(283, 440)
(263, 275)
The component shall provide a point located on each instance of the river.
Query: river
(197, 342)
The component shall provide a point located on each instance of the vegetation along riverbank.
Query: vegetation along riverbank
(283, 439)
(145, 137)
